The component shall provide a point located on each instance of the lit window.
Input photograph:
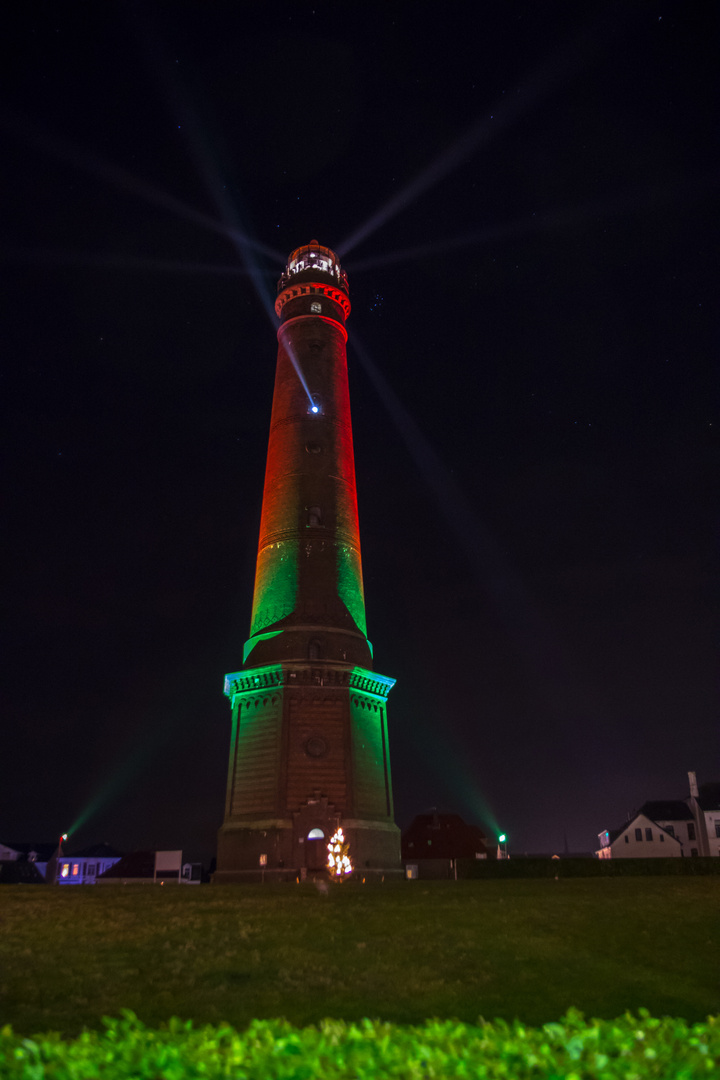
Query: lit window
(648, 834)
(316, 307)
(638, 834)
(76, 869)
(65, 870)
(316, 834)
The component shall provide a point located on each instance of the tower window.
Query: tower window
(315, 747)
(313, 448)
(315, 650)
(314, 516)
(316, 834)
(316, 307)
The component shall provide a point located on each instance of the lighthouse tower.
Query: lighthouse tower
(309, 747)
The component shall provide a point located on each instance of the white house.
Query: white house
(666, 828)
(85, 867)
(639, 838)
(705, 805)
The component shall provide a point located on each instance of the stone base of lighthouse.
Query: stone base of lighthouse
(309, 753)
(279, 852)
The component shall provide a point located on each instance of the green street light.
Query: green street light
(502, 838)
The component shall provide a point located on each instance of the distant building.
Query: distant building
(667, 828)
(20, 872)
(639, 838)
(433, 842)
(705, 804)
(152, 868)
(38, 853)
(86, 866)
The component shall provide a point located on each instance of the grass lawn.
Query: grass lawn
(526, 949)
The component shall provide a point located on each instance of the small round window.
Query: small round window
(313, 448)
(315, 747)
(316, 307)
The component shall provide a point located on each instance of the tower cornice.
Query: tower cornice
(256, 680)
(312, 288)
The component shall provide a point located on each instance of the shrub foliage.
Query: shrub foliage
(639, 1047)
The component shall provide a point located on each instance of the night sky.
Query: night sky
(524, 198)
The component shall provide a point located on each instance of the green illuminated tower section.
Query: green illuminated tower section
(309, 748)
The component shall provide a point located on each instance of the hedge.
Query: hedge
(565, 868)
(631, 1047)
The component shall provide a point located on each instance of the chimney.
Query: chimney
(692, 778)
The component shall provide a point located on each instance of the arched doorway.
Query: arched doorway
(316, 850)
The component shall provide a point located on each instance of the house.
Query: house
(705, 804)
(20, 872)
(85, 867)
(639, 838)
(40, 853)
(433, 842)
(152, 868)
(666, 828)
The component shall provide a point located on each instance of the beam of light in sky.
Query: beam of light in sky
(65, 151)
(574, 56)
(110, 261)
(122, 776)
(630, 202)
(189, 121)
(532, 637)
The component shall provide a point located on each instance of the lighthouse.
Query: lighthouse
(309, 744)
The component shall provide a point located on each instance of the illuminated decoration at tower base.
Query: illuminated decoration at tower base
(339, 865)
(309, 747)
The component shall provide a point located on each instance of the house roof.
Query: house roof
(96, 851)
(666, 810)
(137, 864)
(442, 836)
(614, 834)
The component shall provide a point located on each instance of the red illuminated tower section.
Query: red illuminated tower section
(309, 747)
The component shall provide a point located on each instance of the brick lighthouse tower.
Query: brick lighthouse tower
(309, 747)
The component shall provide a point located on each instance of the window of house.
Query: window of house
(662, 838)
(670, 829)
(65, 870)
(76, 869)
(717, 827)
(91, 870)
(638, 834)
(627, 838)
(691, 830)
(648, 834)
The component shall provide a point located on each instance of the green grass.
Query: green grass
(527, 949)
